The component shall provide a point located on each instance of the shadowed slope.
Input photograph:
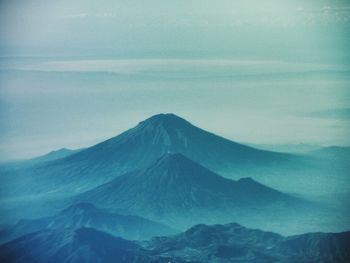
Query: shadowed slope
(87, 215)
(201, 243)
(70, 246)
(235, 243)
(177, 189)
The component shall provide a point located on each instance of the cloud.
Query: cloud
(340, 114)
(324, 15)
(90, 15)
(324, 9)
(174, 66)
(256, 17)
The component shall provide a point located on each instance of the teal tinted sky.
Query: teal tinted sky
(76, 72)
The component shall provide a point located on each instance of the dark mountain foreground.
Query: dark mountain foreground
(201, 243)
(71, 246)
(234, 243)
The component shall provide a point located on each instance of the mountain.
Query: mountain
(332, 152)
(235, 243)
(70, 246)
(336, 160)
(298, 148)
(41, 186)
(201, 243)
(87, 215)
(55, 155)
(218, 243)
(317, 247)
(164, 133)
(179, 191)
(27, 163)
(136, 149)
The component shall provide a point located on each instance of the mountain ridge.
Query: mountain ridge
(87, 215)
(140, 146)
(235, 243)
(201, 243)
(177, 187)
(71, 246)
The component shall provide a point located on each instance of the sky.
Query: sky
(75, 73)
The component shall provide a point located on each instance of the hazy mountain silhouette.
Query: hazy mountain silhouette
(43, 187)
(55, 155)
(137, 148)
(164, 133)
(176, 189)
(333, 152)
(87, 215)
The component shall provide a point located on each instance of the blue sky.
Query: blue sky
(77, 72)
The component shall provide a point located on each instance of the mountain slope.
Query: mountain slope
(86, 215)
(235, 243)
(55, 155)
(201, 243)
(176, 189)
(218, 243)
(318, 247)
(137, 148)
(70, 246)
(333, 153)
(165, 133)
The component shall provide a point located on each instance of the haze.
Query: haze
(74, 74)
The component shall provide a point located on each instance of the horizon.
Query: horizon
(269, 147)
